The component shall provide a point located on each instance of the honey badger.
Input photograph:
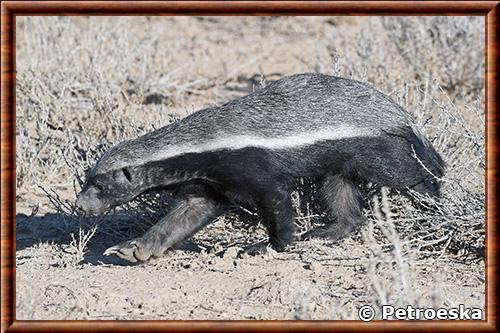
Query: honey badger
(338, 132)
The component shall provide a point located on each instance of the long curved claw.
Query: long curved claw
(126, 250)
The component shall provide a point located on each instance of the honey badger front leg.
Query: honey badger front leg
(194, 209)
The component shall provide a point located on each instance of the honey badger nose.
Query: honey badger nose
(88, 203)
(80, 203)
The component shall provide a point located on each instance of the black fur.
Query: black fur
(397, 157)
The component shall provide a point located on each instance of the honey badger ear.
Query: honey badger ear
(123, 175)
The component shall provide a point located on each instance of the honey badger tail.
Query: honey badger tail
(433, 164)
(400, 158)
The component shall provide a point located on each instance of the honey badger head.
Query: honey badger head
(106, 188)
(122, 174)
(104, 191)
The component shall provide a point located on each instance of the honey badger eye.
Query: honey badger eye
(127, 174)
(99, 186)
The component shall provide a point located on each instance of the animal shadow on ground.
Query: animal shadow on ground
(57, 229)
(66, 233)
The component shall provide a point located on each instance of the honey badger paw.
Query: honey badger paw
(335, 232)
(137, 250)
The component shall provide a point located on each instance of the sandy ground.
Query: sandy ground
(313, 280)
(207, 277)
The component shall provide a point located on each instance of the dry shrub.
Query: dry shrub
(392, 264)
(437, 46)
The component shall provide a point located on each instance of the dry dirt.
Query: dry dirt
(313, 280)
(180, 65)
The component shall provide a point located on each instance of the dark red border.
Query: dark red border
(10, 9)
(250, 7)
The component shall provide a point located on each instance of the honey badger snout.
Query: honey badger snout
(89, 202)
(103, 192)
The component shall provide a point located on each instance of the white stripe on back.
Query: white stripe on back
(236, 142)
(276, 143)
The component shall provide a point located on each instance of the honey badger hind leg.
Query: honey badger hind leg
(343, 203)
(276, 210)
(195, 208)
(274, 205)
